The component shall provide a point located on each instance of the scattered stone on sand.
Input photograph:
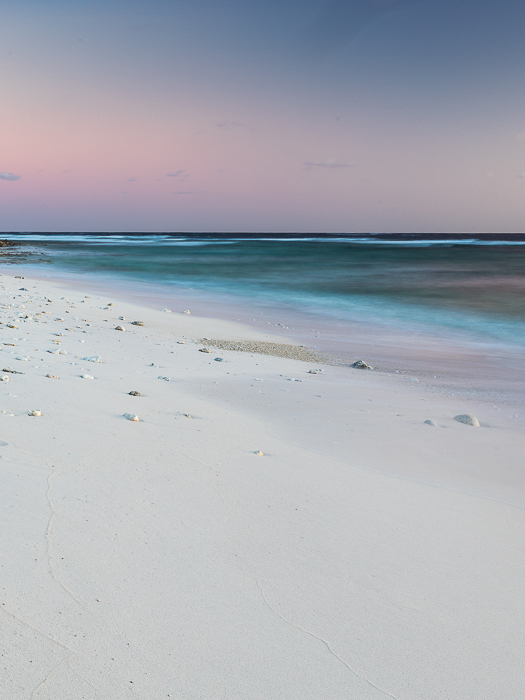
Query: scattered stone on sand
(432, 423)
(186, 311)
(35, 413)
(218, 359)
(259, 453)
(86, 376)
(262, 347)
(137, 323)
(135, 393)
(10, 325)
(95, 358)
(119, 328)
(22, 358)
(167, 311)
(467, 419)
(111, 303)
(166, 379)
(204, 350)
(19, 277)
(51, 376)
(187, 415)
(13, 371)
(131, 416)
(5, 378)
(62, 352)
(361, 364)
(121, 318)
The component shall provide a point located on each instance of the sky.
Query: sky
(290, 115)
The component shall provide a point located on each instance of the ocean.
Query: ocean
(465, 287)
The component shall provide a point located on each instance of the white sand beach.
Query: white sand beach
(260, 533)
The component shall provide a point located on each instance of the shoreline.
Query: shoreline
(450, 363)
(257, 530)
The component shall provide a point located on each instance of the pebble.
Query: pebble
(167, 311)
(121, 318)
(204, 350)
(86, 376)
(131, 416)
(361, 364)
(137, 323)
(135, 393)
(166, 379)
(34, 413)
(432, 423)
(259, 453)
(186, 311)
(219, 359)
(5, 378)
(22, 358)
(119, 328)
(467, 419)
(95, 358)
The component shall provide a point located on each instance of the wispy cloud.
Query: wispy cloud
(9, 176)
(327, 164)
(177, 173)
(132, 179)
(186, 192)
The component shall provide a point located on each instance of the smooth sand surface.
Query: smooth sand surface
(364, 555)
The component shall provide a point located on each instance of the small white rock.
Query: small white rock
(95, 358)
(186, 311)
(22, 359)
(34, 413)
(167, 311)
(131, 416)
(467, 419)
(119, 328)
(86, 376)
(5, 378)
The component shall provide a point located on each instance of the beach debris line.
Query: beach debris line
(467, 419)
(361, 364)
(263, 347)
(131, 416)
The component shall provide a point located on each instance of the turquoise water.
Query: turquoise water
(466, 285)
